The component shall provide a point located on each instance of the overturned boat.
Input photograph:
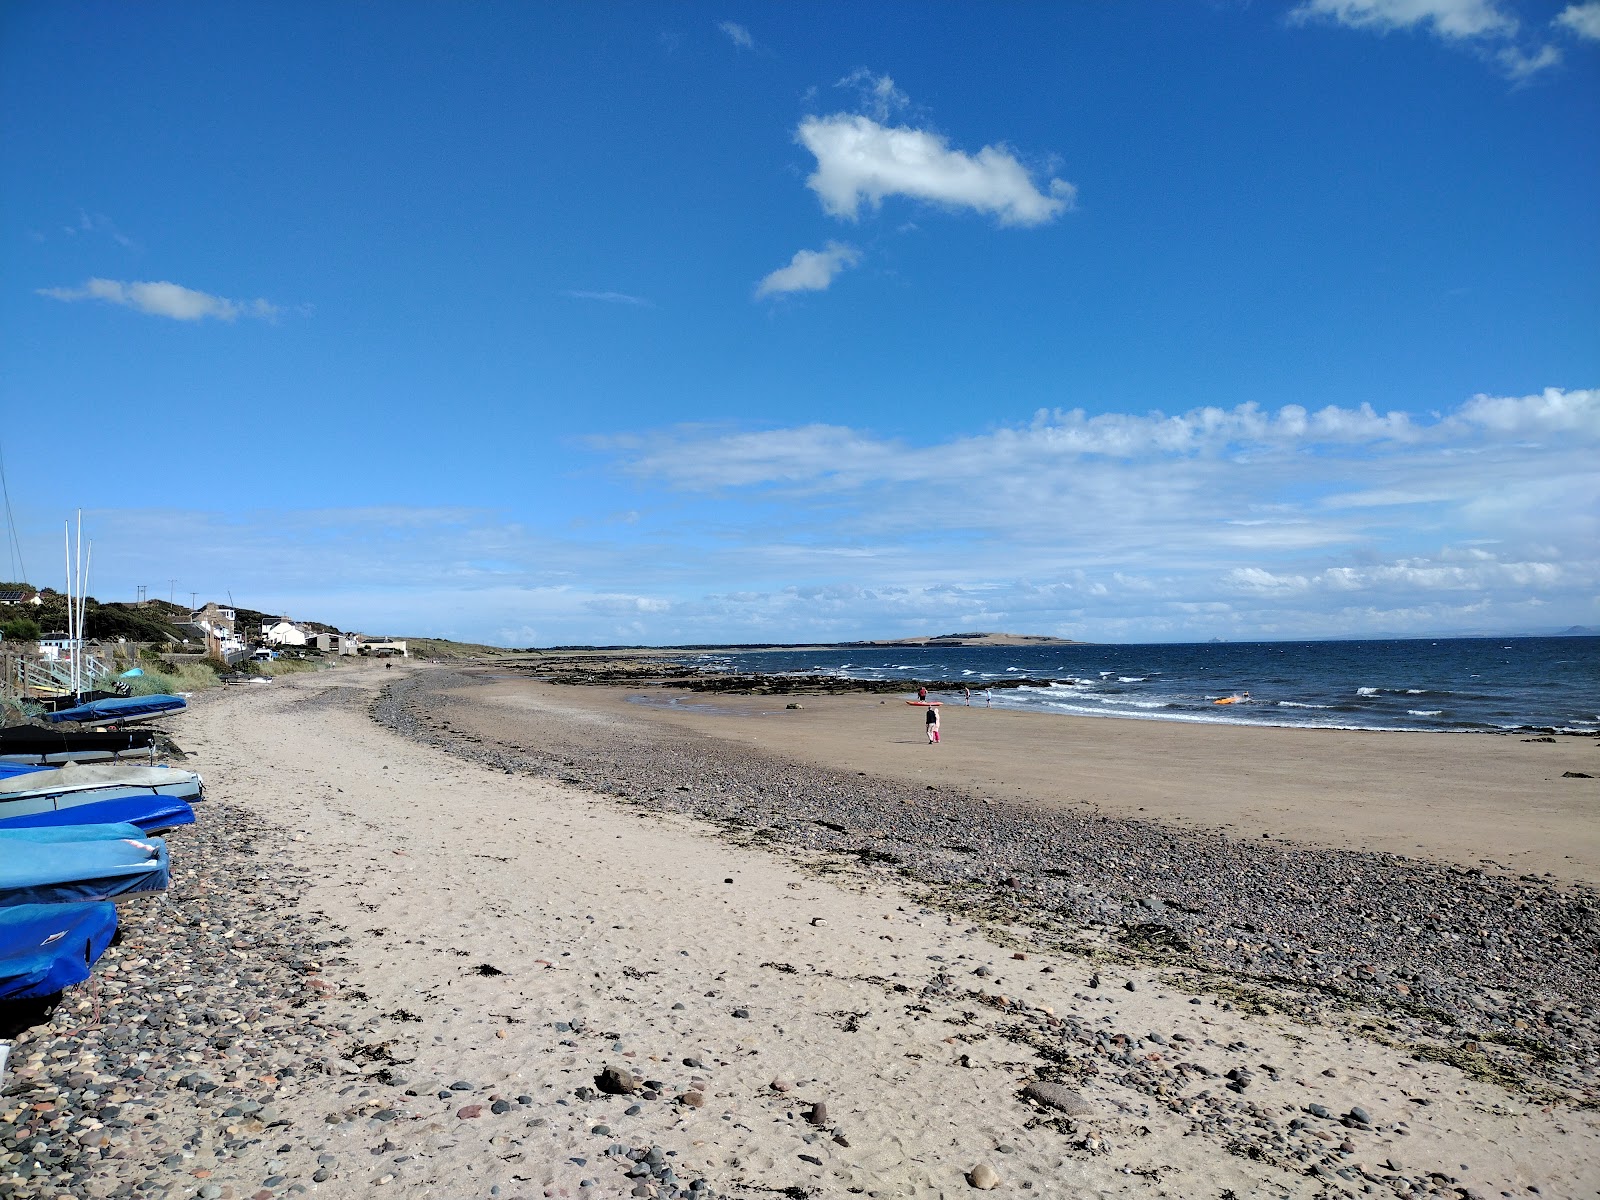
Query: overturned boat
(100, 792)
(80, 862)
(119, 710)
(32, 744)
(154, 813)
(45, 948)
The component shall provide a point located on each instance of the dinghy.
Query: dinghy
(45, 948)
(31, 744)
(152, 814)
(79, 862)
(58, 789)
(120, 710)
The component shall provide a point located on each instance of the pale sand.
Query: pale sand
(1460, 798)
(611, 914)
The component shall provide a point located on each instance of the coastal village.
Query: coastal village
(39, 652)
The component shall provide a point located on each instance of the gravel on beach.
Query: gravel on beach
(168, 1066)
(1490, 973)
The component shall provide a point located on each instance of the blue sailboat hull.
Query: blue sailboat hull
(79, 862)
(151, 813)
(47, 947)
(120, 708)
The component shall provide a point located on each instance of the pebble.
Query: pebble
(984, 1177)
(1058, 1096)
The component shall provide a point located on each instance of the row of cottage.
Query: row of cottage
(217, 622)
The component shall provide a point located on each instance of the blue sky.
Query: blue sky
(554, 323)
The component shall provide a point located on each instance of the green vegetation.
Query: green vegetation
(445, 648)
(20, 629)
(288, 666)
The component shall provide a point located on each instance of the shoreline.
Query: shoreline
(1499, 802)
(476, 943)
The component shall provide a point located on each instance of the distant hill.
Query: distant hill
(976, 639)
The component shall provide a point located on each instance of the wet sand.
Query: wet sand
(1457, 798)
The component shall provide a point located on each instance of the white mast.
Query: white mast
(66, 537)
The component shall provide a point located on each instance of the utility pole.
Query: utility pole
(192, 600)
(172, 585)
(143, 595)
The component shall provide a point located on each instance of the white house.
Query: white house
(54, 646)
(282, 632)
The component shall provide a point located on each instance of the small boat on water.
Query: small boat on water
(31, 744)
(45, 948)
(80, 862)
(103, 791)
(120, 710)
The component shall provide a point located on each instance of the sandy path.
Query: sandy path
(1453, 798)
(629, 939)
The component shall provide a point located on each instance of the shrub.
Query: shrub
(20, 629)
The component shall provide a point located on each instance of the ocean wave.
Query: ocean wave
(1299, 704)
(1368, 691)
(1424, 712)
(1133, 703)
(1131, 678)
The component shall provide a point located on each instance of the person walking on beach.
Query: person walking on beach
(967, 692)
(932, 723)
(922, 693)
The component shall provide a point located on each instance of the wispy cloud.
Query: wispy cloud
(809, 270)
(1484, 26)
(1241, 507)
(1581, 19)
(737, 34)
(1446, 18)
(164, 299)
(880, 98)
(98, 223)
(860, 159)
(1522, 65)
(609, 298)
(1236, 522)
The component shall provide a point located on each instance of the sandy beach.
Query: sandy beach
(505, 952)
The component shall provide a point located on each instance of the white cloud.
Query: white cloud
(737, 34)
(879, 95)
(1447, 18)
(1483, 25)
(809, 270)
(609, 298)
(1521, 65)
(165, 300)
(859, 159)
(1581, 19)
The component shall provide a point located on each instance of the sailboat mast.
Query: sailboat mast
(77, 633)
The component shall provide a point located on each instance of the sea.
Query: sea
(1447, 685)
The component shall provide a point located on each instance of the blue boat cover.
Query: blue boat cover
(8, 769)
(79, 862)
(151, 813)
(124, 708)
(47, 947)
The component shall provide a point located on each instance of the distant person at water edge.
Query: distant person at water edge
(967, 692)
(932, 723)
(922, 693)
